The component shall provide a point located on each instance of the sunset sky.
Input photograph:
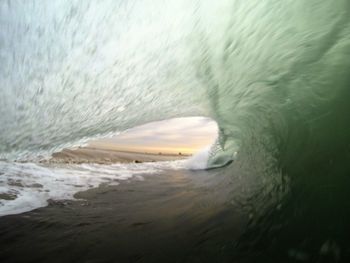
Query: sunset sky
(185, 135)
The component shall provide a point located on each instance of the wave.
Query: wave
(273, 74)
(266, 70)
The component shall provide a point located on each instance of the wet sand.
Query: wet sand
(176, 216)
(108, 156)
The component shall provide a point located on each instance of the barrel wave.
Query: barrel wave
(275, 75)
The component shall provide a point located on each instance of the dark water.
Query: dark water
(187, 216)
(177, 216)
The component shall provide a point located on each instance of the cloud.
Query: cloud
(190, 133)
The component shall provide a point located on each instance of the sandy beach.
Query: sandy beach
(108, 156)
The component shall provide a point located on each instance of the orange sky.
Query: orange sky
(185, 135)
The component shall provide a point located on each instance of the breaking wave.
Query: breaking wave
(271, 71)
(273, 74)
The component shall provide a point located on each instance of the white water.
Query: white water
(32, 185)
(199, 161)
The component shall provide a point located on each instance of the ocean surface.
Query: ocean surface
(170, 215)
(273, 74)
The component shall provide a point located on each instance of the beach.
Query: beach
(109, 156)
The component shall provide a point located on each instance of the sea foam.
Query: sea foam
(27, 186)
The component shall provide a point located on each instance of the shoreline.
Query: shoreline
(109, 156)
